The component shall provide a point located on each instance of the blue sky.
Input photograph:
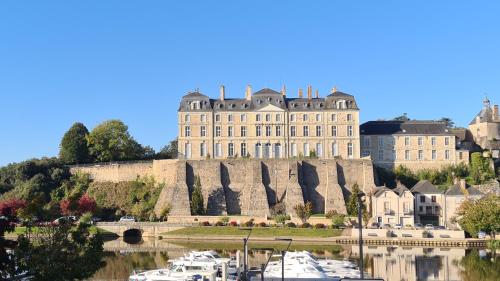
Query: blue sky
(88, 61)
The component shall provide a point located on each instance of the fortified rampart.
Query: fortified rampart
(245, 186)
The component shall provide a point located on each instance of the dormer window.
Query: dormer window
(194, 105)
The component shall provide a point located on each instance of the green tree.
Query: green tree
(337, 219)
(169, 151)
(111, 141)
(74, 147)
(60, 253)
(197, 204)
(405, 176)
(480, 169)
(480, 215)
(352, 202)
(448, 122)
(304, 212)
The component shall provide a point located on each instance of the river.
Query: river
(388, 263)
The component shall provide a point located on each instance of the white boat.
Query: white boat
(180, 270)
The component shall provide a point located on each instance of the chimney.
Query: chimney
(456, 180)
(309, 92)
(463, 184)
(300, 93)
(496, 117)
(317, 94)
(222, 92)
(248, 92)
(334, 89)
(283, 90)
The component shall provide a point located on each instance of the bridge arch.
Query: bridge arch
(132, 235)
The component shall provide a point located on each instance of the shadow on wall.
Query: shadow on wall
(266, 180)
(215, 206)
(190, 179)
(232, 196)
(310, 180)
(346, 191)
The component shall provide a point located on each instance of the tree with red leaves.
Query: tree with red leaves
(86, 204)
(10, 207)
(66, 207)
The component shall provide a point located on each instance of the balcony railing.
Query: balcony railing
(408, 212)
(388, 212)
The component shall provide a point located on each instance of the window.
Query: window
(243, 149)
(349, 117)
(230, 149)
(187, 131)
(203, 131)
(305, 131)
(434, 155)
(292, 117)
(257, 117)
(319, 149)
(407, 155)
(349, 131)
(278, 131)
(258, 148)
(428, 209)
(203, 150)
(203, 118)
(436, 210)
(366, 141)
(387, 206)
(447, 154)
(267, 150)
(420, 155)
(217, 117)
(420, 141)
(334, 117)
(318, 131)
(393, 155)
(306, 149)
(243, 131)
(243, 118)
(277, 150)
(230, 118)
(187, 118)
(258, 131)
(407, 141)
(350, 150)
(218, 150)
(293, 131)
(268, 131)
(217, 131)
(406, 207)
(278, 118)
(304, 117)
(433, 198)
(422, 199)
(230, 131)
(318, 117)
(380, 155)
(365, 153)
(268, 117)
(446, 141)
(335, 149)
(433, 141)
(380, 141)
(187, 150)
(460, 156)
(334, 131)
(421, 209)
(294, 150)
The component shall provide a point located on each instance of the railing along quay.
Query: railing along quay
(461, 243)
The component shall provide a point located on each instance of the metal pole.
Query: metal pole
(262, 268)
(245, 257)
(283, 265)
(360, 222)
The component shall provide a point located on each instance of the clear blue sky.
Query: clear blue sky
(88, 61)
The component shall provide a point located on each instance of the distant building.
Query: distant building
(393, 206)
(414, 144)
(268, 124)
(429, 203)
(454, 197)
(485, 128)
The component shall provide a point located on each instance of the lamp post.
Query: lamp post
(289, 240)
(360, 222)
(245, 251)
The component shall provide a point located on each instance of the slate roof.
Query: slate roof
(266, 91)
(396, 127)
(381, 191)
(456, 190)
(400, 189)
(425, 187)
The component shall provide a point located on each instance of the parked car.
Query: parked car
(429, 227)
(70, 219)
(127, 219)
(93, 220)
(398, 226)
(418, 226)
(374, 225)
(440, 227)
(386, 225)
(481, 235)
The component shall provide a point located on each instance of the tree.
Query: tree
(403, 117)
(352, 202)
(169, 151)
(10, 207)
(111, 141)
(86, 204)
(304, 212)
(405, 176)
(60, 253)
(165, 212)
(480, 215)
(448, 122)
(74, 147)
(480, 169)
(197, 204)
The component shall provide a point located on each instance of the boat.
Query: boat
(180, 270)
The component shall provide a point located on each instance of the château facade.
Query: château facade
(268, 124)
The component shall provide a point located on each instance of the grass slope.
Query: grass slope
(260, 232)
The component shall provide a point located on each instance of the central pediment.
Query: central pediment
(271, 107)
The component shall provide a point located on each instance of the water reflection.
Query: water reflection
(389, 263)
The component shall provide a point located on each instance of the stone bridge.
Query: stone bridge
(141, 229)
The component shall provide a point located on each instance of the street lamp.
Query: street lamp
(245, 250)
(360, 222)
(289, 240)
(263, 266)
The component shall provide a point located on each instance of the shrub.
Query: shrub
(224, 220)
(306, 225)
(319, 226)
(304, 212)
(219, 223)
(165, 212)
(262, 224)
(330, 214)
(281, 218)
(248, 223)
(278, 209)
(152, 217)
(86, 218)
(204, 223)
(291, 224)
(233, 223)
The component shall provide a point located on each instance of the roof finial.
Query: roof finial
(334, 89)
(486, 102)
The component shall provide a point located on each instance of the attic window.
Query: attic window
(221, 105)
(321, 105)
(404, 131)
(259, 101)
(269, 99)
